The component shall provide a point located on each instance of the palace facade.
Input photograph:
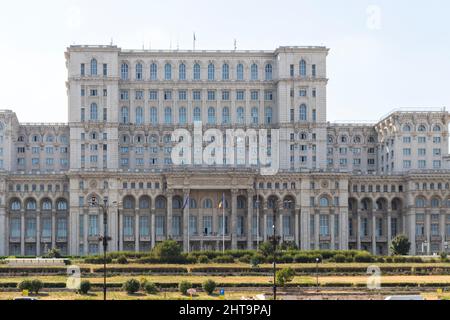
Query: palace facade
(338, 186)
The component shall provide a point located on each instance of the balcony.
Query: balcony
(289, 238)
(128, 238)
(144, 238)
(436, 238)
(325, 238)
(61, 239)
(352, 239)
(381, 239)
(46, 239)
(421, 238)
(366, 239)
(30, 239)
(14, 239)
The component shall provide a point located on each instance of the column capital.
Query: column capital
(234, 192)
(250, 192)
(186, 192)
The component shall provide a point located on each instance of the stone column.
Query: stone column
(317, 230)
(3, 233)
(411, 229)
(38, 233)
(250, 194)
(428, 230)
(332, 222)
(265, 225)
(297, 227)
(304, 226)
(85, 235)
(389, 230)
(358, 230)
(343, 226)
(374, 233)
(53, 229)
(169, 213)
(442, 217)
(186, 247)
(136, 230)
(153, 229)
(234, 194)
(121, 230)
(22, 233)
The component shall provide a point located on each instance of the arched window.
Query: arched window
(422, 128)
(128, 203)
(240, 72)
(168, 115)
(94, 112)
(168, 72)
(420, 202)
(153, 71)
(153, 115)
(357, 139)
(241, 203)
(15, 205)
(93, 67)
(46, 205)
(196, 71)
(211, 115)
(182, 115)
(176, 203)
(225, 115)
(192, 204)
(254, 72)
(139, 71)
(197, 114)
(211, 70)
(240, 115)
(406, 128)
(31, 205)
(124, 71)
(182, 72)
(435, 203)
(268, 72)
(207, 204)
(303, 113)
(124, 116)
(324, 202)
(268, 115)
(437, 128)
(139, 115)
(255, 115)
(302, 68)
(61, 205)
(225, 72)
(144, 203)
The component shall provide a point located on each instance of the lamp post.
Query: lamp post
(317, 274)
(274, 240)
(104, 239)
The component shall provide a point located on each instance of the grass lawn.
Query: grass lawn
(124, 296)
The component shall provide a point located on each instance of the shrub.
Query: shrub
(284, 276)
(150, 288)
(245, 259)
(286, 259)
(400, 245)
(36, 286)
(131, 286)
(307, 258)
(224, 259)
(340, 258)
(363, 257)
(184, 286)
(256, 259)
(122, 260)
(53, 253)
(203, 259)
(209, 286)
(443, 256)
(24, 285)
(388, 259)
(97, 260)
(85, 286)
(266, 249)
(169, 251)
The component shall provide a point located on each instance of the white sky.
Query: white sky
(384, 54)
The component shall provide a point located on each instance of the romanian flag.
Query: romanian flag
(222, 203)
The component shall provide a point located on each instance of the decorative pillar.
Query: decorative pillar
(186, 221)
(136, 230)
(85, 235)
(22, 233)
(374, 233)
(121, 230)
(153, 229)
(250, 194)
(317, 230)
(428, 230)
(53, 229)
(265, 225)
(38, 233)
(169, 213)
(358, 230)
(442, 217)
(305, 226)
(389, 230)
(297, 227)
(411, 229)
(234, 194)
(3, 233)
(332, 222)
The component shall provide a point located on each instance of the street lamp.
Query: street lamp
(105, 238)
(274, 240)
(317, 274)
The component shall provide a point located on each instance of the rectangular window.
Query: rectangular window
(240, 95)
(254, 95)
(211, 95)
(124, 95)
(196, 95)
(268, 95)
(182, 95)
(128, 226)
(93, 226)
(160, 225)
(225, 95)
(105, 69)
(153, 95)
(324, 225)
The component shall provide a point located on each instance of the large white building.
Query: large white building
(339, 186)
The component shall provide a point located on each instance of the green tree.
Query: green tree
(168, 251)
(131, 286)
(209, 286)
(184, 286)
(400, 245)
(266, 249)
(285, 276)
(85, 286)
